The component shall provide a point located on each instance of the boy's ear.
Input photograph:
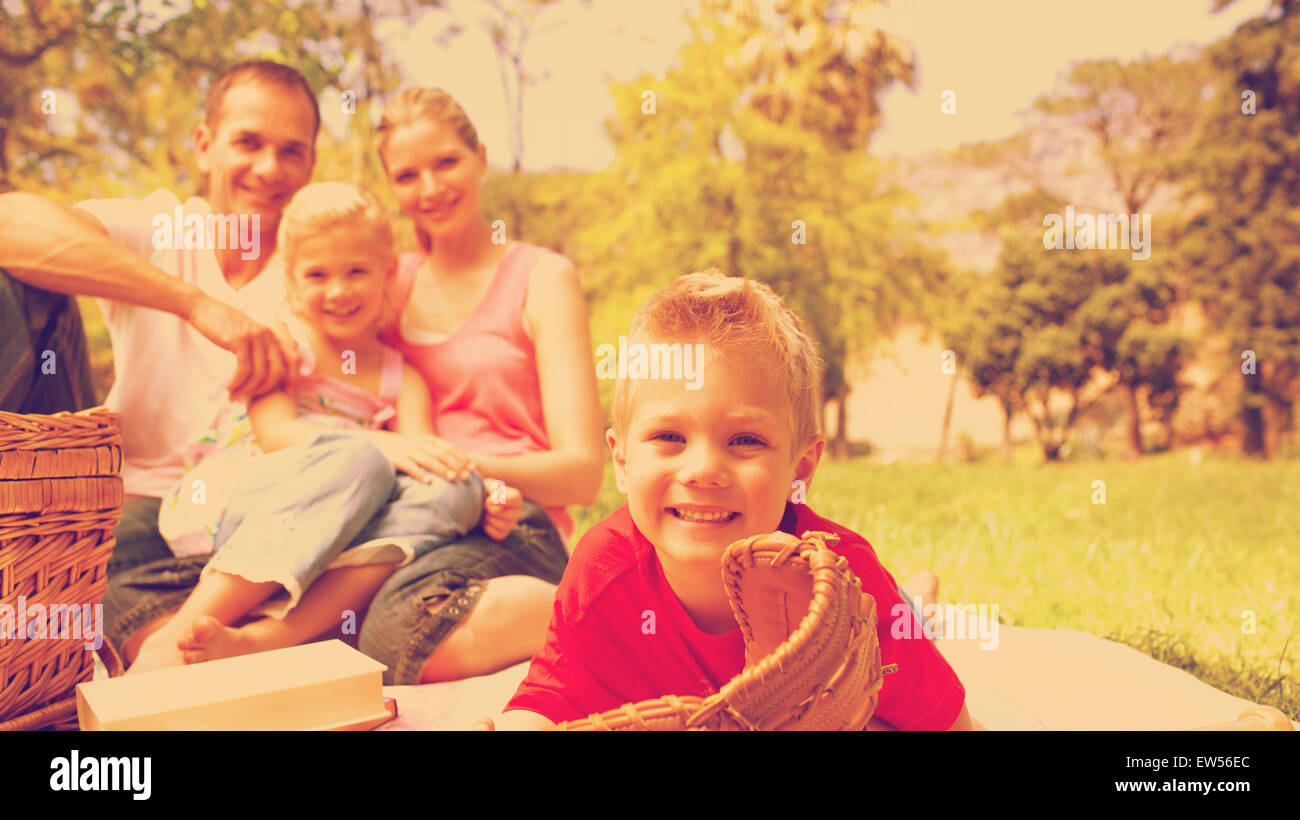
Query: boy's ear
(620, 459)
(806, 461)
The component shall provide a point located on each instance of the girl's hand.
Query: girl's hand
(502, 509)
(423, 457)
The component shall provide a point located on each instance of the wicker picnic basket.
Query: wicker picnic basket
(60, 500)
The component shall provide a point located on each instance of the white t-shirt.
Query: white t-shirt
(170, 379)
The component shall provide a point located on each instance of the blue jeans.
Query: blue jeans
(398, 630)
(293, 515)
(423, 601)
(44, 366)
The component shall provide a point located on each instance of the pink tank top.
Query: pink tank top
(483, 378)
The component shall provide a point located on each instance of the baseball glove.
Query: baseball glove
(812, 659)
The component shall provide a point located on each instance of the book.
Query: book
(316, 686)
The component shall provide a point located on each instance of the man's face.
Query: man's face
(261, 153)
(703, 468)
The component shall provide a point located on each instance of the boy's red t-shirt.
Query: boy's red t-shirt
(618, 634)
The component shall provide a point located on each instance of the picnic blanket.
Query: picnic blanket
(1035, 679)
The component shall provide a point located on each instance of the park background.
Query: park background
(1090, 440)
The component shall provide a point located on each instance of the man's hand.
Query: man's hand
(422, 457)
(501, 509)
(259, 352)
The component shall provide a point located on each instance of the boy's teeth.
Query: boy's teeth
(702, 516)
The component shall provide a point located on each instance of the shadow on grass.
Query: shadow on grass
(1261, 686)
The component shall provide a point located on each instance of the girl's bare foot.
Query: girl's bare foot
(209, 639)
(133, 644)
(156, 652)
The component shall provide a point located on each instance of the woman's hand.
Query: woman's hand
(422, 457)
(501, 509)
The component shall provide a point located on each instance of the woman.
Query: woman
(500, 332)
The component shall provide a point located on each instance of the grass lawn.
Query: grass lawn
(1174, 562)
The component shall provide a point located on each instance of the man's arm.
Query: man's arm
(66, 250)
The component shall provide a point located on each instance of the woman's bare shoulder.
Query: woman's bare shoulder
(554, 273)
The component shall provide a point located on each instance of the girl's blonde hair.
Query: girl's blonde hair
(323, 205)
(414, 104)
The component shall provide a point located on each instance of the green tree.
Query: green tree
(1242, 239)
(1112, 138)
(749, 155)
(1049, 328)
(124, 79)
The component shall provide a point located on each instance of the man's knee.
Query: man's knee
(137, 540)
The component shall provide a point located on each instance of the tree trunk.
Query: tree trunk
(947, 419)
(1252, 415)
(1283, 411)
(1006, 433)
(840, 444)
(1134, 421)
(5, 185)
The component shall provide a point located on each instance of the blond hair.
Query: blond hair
(414, 104)
(742, 319)
(324, 205)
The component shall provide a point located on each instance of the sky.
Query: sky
(997, 56)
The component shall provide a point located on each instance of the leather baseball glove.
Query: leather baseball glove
(812, 659)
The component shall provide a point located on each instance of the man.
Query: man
(175, 314)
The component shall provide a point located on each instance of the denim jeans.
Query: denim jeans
(398, 630)
(137, 540)
(44, 366)
(422, 602)
(298, 511)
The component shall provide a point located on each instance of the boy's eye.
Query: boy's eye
(315, 274)
(405, 177)
(670, 437)
(447, 162)
(356, 271)
(747, 440)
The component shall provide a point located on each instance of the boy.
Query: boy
(704, 461)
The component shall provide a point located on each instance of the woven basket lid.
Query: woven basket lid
(61, 462)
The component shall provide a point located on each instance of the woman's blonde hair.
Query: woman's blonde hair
(414, 104)
(323, 205)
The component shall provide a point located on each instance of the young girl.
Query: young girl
(336, 246)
